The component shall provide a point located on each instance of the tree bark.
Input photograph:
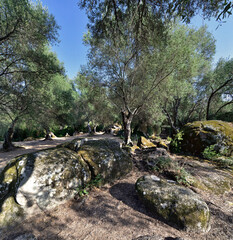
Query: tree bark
(94, 129)
(8, 145)
(127, 118)
(173, 127)
(48, 135)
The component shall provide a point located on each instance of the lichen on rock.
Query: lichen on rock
(145, 143)
(105, 157)
(176, 204)
(47, 178)
(201, 134)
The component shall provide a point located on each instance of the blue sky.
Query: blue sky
(72, 21)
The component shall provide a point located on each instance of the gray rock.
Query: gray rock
(198, 135)
(49, 177)
(26, 236)
(105, 157)
(159, 152)
(176, 204)
(148, 237)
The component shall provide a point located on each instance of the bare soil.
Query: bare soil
(114, 212)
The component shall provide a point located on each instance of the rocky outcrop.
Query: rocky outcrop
(145, 143)
(105, 157)
(175, 204)
(198, 135)
(113, 129)
(49, 177)
(131, 149)
(207, 177)
(159, 142)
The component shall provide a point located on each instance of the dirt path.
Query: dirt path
(30, 146)
(36, 145)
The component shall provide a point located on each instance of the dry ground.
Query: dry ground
(114, 212)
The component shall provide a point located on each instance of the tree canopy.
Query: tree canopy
(26, 62)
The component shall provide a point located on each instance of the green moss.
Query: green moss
(175, 204)
(201, 134)
(11, 212)
(88, 155)
(217, 187)
(145, 143)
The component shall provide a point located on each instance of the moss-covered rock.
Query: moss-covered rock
(49, 177)
(131, 149)
(105, 157)
(201, 134)
(145, 143)
(159, 142)
(10, 211)
(176, 204)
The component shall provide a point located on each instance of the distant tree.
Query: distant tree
(217, 86)
(132, 77)
(128, 42)
(93, 104)
(180, 97)
(54, 105)
(26, 64)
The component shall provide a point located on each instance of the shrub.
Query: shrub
(84, 190)
(209, 152)
(175, 145)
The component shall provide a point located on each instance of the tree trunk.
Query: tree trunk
(94, 129)
(127, 118)
(208, 107)
(48, 135)
(8, 145)
(173, 127)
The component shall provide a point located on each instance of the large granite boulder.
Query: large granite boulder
(176, 204)
(46, 178)
(105, 157)
(198, 135)
(42, 179)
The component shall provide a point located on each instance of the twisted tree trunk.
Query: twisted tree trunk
(8, 145)
(127, 118)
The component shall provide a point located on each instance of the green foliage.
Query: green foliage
(216, 87)
(27, 64)
(217, 158)
(210, 153)
(92, 105)
(169, 139)
(182, 177)
(175, 145)
(84, 190)
(162, 163)
(64, 131)
(22, 133)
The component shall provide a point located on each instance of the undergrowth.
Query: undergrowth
(84, 190)
(171, 169)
